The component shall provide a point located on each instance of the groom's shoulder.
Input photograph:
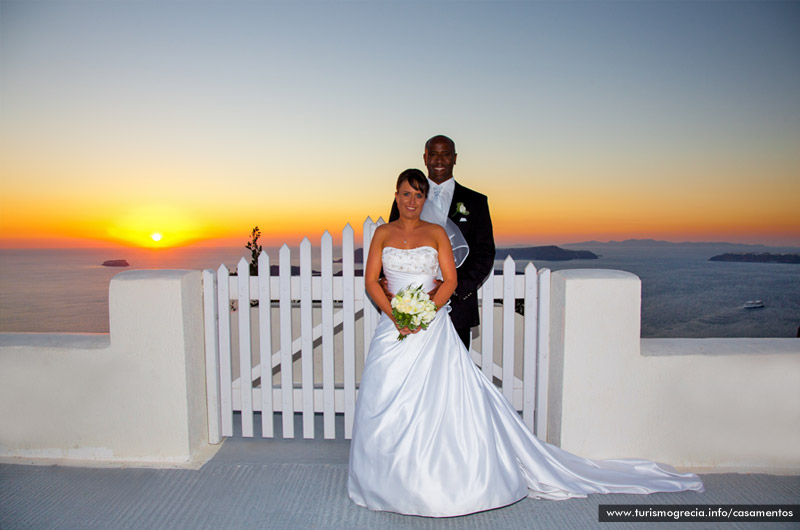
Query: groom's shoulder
(468, 193)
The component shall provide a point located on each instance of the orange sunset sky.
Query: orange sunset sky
(580, 120)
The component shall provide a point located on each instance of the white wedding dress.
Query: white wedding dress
(432, 436)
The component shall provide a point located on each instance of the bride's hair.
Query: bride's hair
(416, 179)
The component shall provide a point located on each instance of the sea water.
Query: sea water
(66, 290)
(683, 294)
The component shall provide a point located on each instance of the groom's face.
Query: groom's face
(440, 157)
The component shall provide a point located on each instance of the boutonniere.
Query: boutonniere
(461, 209)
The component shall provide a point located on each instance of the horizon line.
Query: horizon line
(101, 245)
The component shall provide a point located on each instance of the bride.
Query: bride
(432, 436)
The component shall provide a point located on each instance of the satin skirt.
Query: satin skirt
(434, 437)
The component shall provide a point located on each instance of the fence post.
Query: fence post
(212, 355)
(349, 328)
(245, 358)
(370, 315)
(328, 398)
(543, 353)
(287, 376)
(487, 326)
(509, 285)
(529, 345)
(265, 344)
(225, 379)
(307, 343)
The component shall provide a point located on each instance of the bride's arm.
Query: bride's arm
(447, 264)
(372, 273)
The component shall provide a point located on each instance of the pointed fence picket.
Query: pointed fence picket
(286, 352)
(265, 344)
(311, 319)
(224, 347)
(349, 327)
(212, 357)
(328, 400)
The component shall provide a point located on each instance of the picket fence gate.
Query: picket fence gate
(243, 392)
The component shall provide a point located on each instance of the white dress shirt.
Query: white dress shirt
(446, 190)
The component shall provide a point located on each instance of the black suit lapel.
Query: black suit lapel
(456, 199)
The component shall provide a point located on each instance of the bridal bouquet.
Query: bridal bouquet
(412, 308)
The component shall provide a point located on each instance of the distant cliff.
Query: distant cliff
(546, 253)
(358, 256)
(752, 257)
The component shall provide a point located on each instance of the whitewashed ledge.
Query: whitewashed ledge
(721, 404)
(68, 341)
(134, 397)
(716, 346)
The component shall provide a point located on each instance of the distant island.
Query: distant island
(657, 243)
(545, 253)
(116, 263)
(653, 243)
(752, 257)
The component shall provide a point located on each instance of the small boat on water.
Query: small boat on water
(753, 304)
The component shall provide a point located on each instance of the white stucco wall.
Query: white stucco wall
(726, 404)
(135, 395)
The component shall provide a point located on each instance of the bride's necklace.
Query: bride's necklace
(405, 239)
(405, 236)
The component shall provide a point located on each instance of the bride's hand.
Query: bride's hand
(405, 330)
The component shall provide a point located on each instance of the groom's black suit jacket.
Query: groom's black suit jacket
(477, 229)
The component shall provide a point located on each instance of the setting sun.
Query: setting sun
(144, 225)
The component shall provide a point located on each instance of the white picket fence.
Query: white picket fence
(340, 302)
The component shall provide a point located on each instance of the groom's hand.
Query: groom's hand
(384, 283)
(435, 288)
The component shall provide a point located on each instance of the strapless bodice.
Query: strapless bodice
(420, 260)
(407, 266)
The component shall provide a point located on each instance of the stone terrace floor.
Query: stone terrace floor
(298, 484)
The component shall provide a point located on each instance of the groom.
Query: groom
(470, 211)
